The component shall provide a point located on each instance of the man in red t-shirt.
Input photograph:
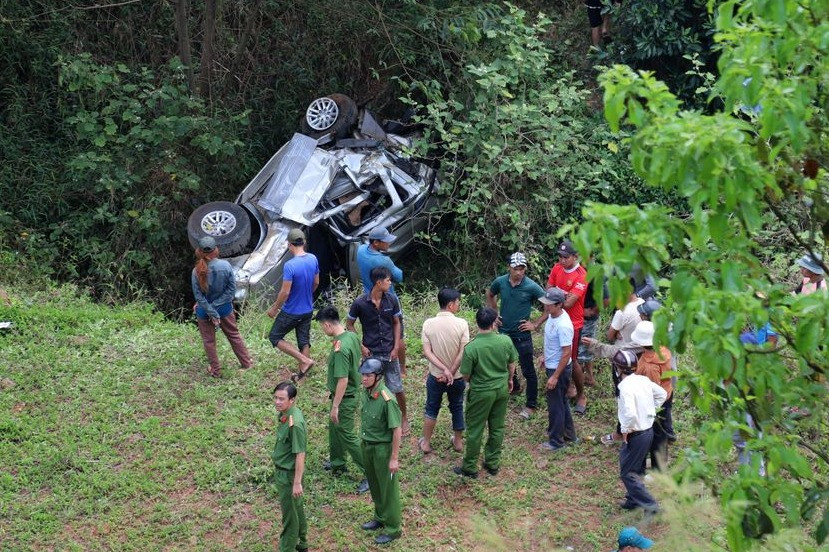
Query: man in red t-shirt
(569, 276)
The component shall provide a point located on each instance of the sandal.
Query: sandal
(526, 413)
(452, 443)
(580, 409)
(420, 442)
(607, 439)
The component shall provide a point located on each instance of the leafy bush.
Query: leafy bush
(521, 152)
(761, 159)
(134, 147)
(664, 37)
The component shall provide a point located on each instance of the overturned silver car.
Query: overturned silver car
(343, 175)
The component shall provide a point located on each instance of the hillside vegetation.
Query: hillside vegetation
(113, 436)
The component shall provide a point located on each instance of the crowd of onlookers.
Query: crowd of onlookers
(365, 374)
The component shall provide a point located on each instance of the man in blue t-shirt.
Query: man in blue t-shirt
(558, 342)
(294, 305)
(373, 254)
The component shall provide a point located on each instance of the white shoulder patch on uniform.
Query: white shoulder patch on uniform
(386, 395)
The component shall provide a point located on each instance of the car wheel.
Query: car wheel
(334, 114)
(228, 223)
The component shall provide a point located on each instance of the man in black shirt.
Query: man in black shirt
(380, 317)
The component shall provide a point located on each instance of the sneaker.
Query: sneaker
(547, 447)
(527, 413)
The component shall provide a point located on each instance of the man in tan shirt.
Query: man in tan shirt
(444, 337)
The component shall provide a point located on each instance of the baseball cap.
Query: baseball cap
(630, 536)
(810, 263)
(517, 259)
(296, 237)
(371, 366)
(554, 295)
(381, 233)
(207, 244)
(649, 307)
(566, 248)
(643, 334)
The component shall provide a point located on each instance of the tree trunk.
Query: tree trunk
(182, 12)
(207, 47)
(243, 44)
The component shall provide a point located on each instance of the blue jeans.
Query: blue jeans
(524, 346)
(560, 419)
(454, 393)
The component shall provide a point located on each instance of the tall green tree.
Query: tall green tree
(756, 169)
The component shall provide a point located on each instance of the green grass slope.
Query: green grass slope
(113, 436)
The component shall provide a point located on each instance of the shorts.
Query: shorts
(594, 12)
(391, 373)
(286, 322)
(588, 330)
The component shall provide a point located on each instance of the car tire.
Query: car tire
(334, 114)
(227, 223)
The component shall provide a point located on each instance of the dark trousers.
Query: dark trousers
(631, 461)
(560, 419)
(524, 346)
(659, 446)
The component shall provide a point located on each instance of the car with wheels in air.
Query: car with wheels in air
(343, 174)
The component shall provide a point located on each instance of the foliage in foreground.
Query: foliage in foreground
(761, 161)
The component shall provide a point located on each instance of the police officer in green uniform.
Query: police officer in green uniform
(381, 433)
(289, 461)
(343, 389)
(488, 365)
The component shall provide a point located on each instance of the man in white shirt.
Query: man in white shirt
(624, 321)
(558, 340)
(639, 399)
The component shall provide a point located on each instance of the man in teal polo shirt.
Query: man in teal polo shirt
(518, 294)
(488, 365)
